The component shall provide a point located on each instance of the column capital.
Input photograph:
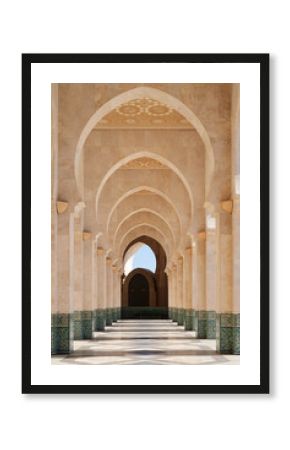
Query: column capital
(201, 235)
(61, 206)
(108, 260)
(87, 235)
(79, 207)
(100, 251)
(227, 206)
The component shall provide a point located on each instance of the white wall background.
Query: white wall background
(169, 421)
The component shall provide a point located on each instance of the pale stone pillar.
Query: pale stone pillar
(115, 276)
(109, 297)
(207, 317)
(100, 289)
(180, 287)
(188, 289)
(174, 293)
(79, 318)
(201, 292)
(62, 313)
(169, 278)
(236, 275)
(236, 254)
(227, 322)
(235, 139)
(119, 294)
(54, 264)
(87, 324)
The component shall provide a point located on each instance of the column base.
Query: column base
(206, 326)
(82, 325)
(61, 333)
(99, 319)
(109, 317)
(180, 316)
(189, 316)
(174, 314)
(114, 314)
(228, 333)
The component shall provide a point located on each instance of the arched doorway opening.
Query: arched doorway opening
(138, 294)
(145, 293)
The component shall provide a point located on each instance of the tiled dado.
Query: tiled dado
(109, 316)
(189, 319)
(174, 314)
(115, 314)
(206, 324)
(99, 319)
(228, 333)
(61, 333)
(180, 316)
(82, 324)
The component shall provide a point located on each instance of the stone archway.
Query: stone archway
(158, 283)
(139, 289)
(153, 93)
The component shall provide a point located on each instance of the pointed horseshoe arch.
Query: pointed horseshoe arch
(150, 155)
(155, 94)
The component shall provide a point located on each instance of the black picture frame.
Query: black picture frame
(263, 61)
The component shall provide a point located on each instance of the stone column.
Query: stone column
(169, 277)
(100, 290)
(87, 314)
(174, 293)
(188, 289)
(119, 293)
(236, 274)
(109, 297)
(115, 286)
(79, 313)
(235, 152)
(207, 317)
(180, 287)
(62, 306)
(201, 293)
(227, 321)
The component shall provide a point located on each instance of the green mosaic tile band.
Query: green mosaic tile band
(131, 312)
(205, 324)
(174, 312)
(115, 314)
(180, 316)
(99, 320)
(82, 325)
(189, 315)
(195, 321)
(61, 333)
(109, 316)
(228, 333)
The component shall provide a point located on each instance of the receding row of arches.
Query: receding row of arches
(144, 165)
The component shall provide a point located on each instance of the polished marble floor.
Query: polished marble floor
(145, 342)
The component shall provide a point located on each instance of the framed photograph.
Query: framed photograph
(145, 223)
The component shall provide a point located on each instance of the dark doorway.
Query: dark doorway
(138, 291)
